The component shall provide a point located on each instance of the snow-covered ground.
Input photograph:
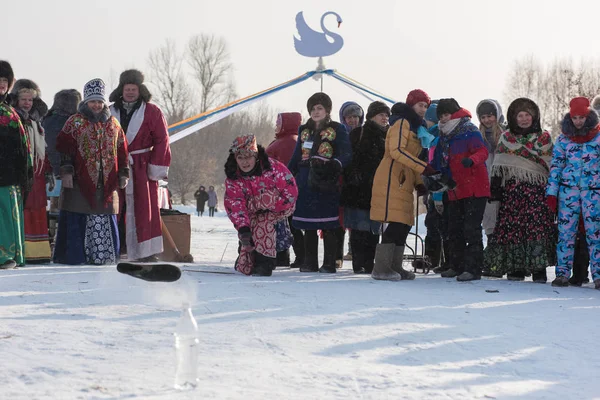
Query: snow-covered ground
(82, 332)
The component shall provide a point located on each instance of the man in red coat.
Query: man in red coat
(282, 149)
(149, 158)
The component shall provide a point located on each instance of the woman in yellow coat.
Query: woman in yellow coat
(397, 177)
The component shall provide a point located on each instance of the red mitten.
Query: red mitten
(552, 202)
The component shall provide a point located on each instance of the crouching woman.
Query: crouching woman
(259, 192)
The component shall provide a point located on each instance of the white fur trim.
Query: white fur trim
(157, 172)
(137, 119)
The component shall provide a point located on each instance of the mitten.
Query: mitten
(421, 190)
(245, 236)
(429, 170)
(467, 162)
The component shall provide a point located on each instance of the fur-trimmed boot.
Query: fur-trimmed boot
(384, 258)
(397, 264)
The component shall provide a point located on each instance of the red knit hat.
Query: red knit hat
(579, 106)
(416, 96)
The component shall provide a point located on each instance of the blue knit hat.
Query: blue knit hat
(94, 90)
(431, 114)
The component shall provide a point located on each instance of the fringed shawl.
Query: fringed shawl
(525, 158)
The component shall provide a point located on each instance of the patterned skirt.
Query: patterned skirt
(525, 235)
(86, 239)
(37, 241)
(12, 235)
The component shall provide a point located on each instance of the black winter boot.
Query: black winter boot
(311, 255)
(330, 251)
(540, 276)
(263, 265)
(283, 258)
(357, 242)
(433, 249)
(298, 246)
(581, 261)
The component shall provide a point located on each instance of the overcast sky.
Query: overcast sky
(462, 49)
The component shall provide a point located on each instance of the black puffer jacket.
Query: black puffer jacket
(368, 147)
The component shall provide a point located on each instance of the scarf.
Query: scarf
(37, 142)
(425, 137)
(448, 130)
(525, 158)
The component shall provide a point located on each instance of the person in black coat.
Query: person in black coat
(201, 198)
(368, 148)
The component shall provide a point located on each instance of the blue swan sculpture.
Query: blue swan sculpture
(316, 44)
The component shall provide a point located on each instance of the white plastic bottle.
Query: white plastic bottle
(186, 347)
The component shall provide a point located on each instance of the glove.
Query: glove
(123, 180)
(429, 170)
(467, 162)
(51, 181)
(552, 202)
(439, 207)
(421, 190)
(245, 236)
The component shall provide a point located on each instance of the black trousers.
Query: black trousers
(465, 238)
(211, 211)
(311, 248)
(581, 259)
(340, 235)
(363, 246)
(396, 232)
(437, 233)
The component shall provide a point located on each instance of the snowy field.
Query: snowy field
(82, 332)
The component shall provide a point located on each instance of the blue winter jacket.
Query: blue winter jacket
(576, 164)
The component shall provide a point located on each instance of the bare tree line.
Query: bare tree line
(553, 86)
(193, 80)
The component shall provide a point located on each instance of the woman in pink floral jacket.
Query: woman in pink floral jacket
(259, 192)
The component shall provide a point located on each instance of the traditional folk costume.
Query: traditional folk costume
(149, 158)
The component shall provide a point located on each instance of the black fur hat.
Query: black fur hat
(6, 71)
(319, 98)
(66, 102)
(377, 107)
(134, 77)
(39, 108)
(447, 106)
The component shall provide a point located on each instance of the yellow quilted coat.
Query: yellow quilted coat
(397, 175)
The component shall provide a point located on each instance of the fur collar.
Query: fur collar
(591, 123)
(404, 111)
(103, 116)
(263, 164)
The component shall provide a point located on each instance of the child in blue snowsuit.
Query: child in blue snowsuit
(574, 187)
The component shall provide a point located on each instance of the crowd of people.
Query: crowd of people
(99, 160)
(536, 200)
(100, 164)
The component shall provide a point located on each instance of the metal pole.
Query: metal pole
(321, 82)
